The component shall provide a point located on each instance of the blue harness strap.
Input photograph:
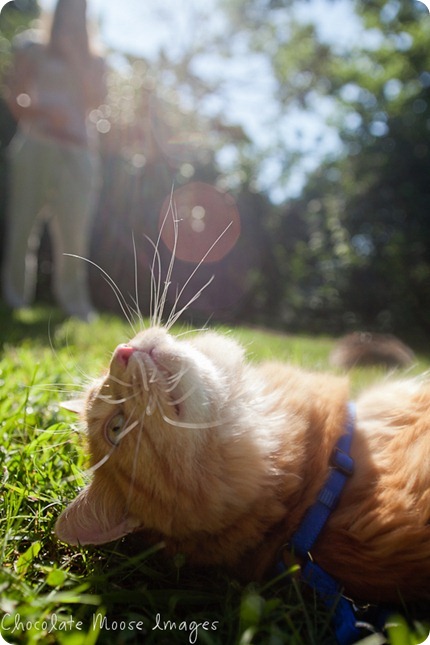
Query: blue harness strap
(315, 518)
(347, 627)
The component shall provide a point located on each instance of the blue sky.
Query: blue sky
(132, 25)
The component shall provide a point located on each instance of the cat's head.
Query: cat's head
(156, 425)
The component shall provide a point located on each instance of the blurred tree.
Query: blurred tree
(380, 185)
(354, 248)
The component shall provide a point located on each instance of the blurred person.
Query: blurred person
(53, 169)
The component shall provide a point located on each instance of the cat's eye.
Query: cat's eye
(113, 428)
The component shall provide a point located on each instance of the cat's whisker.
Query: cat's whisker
(151, 405)
(54, 431)
(178, 314)
(107, 398)
(156, 308)
(60, 359)
(177, 375)
(128, 429)
(170, 268)
(73, 478)
(191, 331)
(107, 456)
(174, 380)
(173, 317)
(144, 377)
(52, 446)
(60, 388)
(135, 466)
(116, 290)
(99, 464)
(134, 311)
(155, 283)
(157, 312)
(50, 431)
(184, 397)
(190, 426)
(136, 286)
(124, 306)
(155, 374)
(56, 445)
(119, 381)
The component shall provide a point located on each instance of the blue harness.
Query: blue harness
(347, 625)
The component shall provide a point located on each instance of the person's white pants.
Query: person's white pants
(57, 184)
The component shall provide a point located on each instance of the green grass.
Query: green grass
(50, 593)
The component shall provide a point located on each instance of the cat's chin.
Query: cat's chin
(188, 382)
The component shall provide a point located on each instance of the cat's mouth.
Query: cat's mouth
(148, 365)
(149, 356)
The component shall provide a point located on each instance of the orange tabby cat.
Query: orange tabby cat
(220, 459)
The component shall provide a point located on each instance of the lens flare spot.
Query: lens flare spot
(198, 226)
(198, 212)
(23, 100)
(207, 219)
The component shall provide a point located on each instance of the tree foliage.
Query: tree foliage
(354, 249)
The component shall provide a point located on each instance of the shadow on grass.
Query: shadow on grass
(37, 324)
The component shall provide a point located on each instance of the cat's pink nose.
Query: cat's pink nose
(123, 353)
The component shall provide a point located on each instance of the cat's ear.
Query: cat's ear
(74, 405)
(96, 516)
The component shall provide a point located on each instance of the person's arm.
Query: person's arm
(21, 90)
(95, 83)
(18, 83)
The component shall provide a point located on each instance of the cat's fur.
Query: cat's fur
(220, 459)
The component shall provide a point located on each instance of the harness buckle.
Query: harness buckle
(342, 462)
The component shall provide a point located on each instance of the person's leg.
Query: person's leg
(22, 235)
(70, 228)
